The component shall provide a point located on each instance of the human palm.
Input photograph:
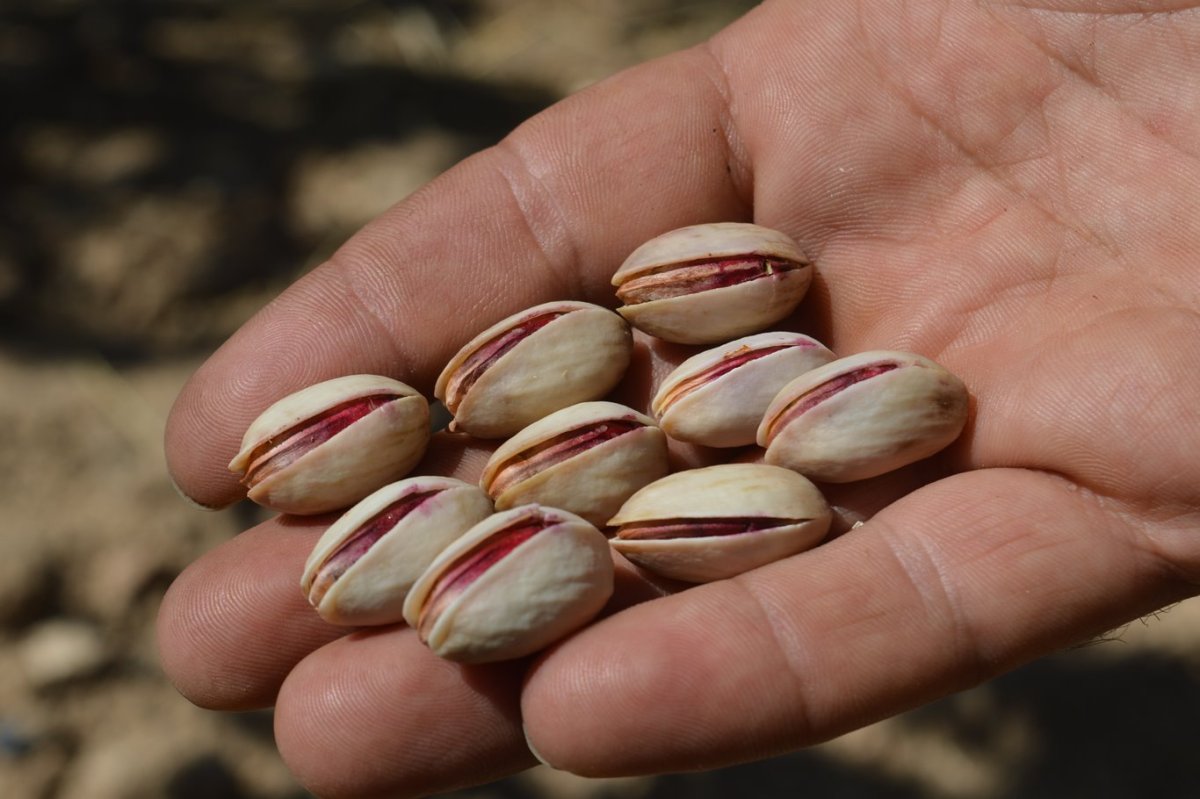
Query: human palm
(1008, 190)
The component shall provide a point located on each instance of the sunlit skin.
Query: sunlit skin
(1010, 191)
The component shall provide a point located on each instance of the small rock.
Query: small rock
(148, 762)
(61, 650)
(108, 583)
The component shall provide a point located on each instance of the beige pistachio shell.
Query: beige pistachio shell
(757, 514)
(540, 590)
(863, 415)
(306, 470)
(710, 315)
(717, 398)
(361, 569)
(586, 459)
(580, 355)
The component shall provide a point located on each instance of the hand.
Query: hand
(1008, 190)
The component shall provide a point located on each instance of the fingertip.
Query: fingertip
(377, 714)
(198, 444)
(645, 691)
(233, 624)
(190, 501)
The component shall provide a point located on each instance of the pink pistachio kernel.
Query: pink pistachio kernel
(491, 351)
(810, 399)
(365, 537)
(557, 449)
(284, 449)
(743, 356)
(660, 529)
(677, 280)
(472, 564)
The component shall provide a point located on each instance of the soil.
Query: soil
(167, 169)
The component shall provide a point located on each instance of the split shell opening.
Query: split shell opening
(327, 446)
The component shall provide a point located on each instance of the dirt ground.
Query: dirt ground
(166, 169)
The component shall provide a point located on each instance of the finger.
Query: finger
(547, 214)
(377, 714)
(235, 622)
(429, 725)
(953, 584)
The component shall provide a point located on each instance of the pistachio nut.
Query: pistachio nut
(533, 363)
(361, 569)
(512, 584)
(329, 445)
(709, 283)
(717, 398)
(586, 459)
(863, 415)
(708, 524)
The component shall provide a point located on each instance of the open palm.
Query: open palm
(1008, 189)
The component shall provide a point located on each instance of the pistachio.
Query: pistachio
(709, 283)
(329, 445)
(864, 415)
(586, 459)
(533, 363)
(708, 524)
(361, 569)
(512, 584)
(717, 398)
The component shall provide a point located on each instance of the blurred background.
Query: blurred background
(167, 168)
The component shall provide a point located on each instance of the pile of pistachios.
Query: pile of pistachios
(502, 569)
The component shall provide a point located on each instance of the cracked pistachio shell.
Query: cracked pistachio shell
(361, 569)
(712, 523)
(709, 283)
(329, 445)
(717, 398)
(511, 585)
(532, 364)
(586, 459)
(863, 415)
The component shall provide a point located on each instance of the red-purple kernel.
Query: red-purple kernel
(660, 529)
(493, 350)
(677, 280)
(470, 565)
(365, 537)
(289, 446)
(561, 447)
(810, 399)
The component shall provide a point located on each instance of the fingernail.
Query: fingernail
(189, 500)
(532, 750)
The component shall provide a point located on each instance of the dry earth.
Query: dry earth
(167, 169)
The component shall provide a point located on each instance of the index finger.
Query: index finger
(546, 214)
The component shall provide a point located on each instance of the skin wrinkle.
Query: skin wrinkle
(1092, 80)
(739, 170)
(1138, 537)
(1179, 567)
(1139, 9)
(976, 159)
(375, 316)
(981, 664)
(521, 184)
(940, 598)
(788, 646)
